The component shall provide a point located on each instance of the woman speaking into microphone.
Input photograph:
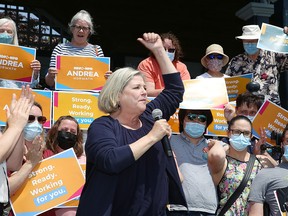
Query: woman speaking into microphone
(127, 170)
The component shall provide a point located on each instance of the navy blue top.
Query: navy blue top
(116, 184)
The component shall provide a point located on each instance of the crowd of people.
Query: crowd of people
(127, 170)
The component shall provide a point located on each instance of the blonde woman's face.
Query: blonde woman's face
(134, 95)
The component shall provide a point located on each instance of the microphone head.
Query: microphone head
(157, 114)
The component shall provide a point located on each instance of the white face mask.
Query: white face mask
(31, 130)
(215, 64)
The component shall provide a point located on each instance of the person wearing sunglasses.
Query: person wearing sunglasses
(81, 28)
(151, 69)
(33, 138)
(227, 168)
(214, 60)
(188, 146)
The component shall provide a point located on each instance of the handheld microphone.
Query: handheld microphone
(157, 115)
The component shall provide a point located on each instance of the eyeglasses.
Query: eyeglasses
(83, 28)
(40, 119)
(5, 30)
(239, 132)
(171, 50)
(200, 118)
(213, 56)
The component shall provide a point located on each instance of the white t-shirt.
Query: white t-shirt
(4, 194)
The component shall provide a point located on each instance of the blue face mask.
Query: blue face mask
(285, 154)
(250, 48)
(239, 142)
(250, 117)
(6, 38)
(194, 130)
(171, 55)
(31, 130)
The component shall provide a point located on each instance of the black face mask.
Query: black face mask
(66, 140)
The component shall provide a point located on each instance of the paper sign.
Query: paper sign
(219, 125)
(83, 106)
(44, 98)
(272, 117)
(74, 202)
(173, 121)
(273, 38)
(52, 182)
(81, 72)
(204, 94)
(237, 85)
(15, 62)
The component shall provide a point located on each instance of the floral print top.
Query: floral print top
(266, 71)
(231, 180)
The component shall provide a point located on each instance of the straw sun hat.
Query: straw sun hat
(214, 48)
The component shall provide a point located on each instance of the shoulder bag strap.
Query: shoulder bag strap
(240, 188)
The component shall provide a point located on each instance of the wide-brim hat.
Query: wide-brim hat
(214, 48)
(250, 32)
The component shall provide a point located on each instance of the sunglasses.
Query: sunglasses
(171, 50)
(40, 119)
(200, 118)
(214, 56)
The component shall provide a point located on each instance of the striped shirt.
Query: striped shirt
(69, 49)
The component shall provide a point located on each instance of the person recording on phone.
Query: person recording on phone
(127, 169)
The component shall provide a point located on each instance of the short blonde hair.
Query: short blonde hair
(108, 101)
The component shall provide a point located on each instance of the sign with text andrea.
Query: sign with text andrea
(237, 85)
(83, 106)
(204, 94)
(273, 38)
(81, 72)
(15, 62)
(272, 117)
(52, 182)
(44, 98)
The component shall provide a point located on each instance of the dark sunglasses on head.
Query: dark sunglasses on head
(200, 118)
(40, 119)
(214, 56)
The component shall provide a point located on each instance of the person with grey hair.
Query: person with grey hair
(127, 170)
(265, 65)
(8, 35)
(81, 28)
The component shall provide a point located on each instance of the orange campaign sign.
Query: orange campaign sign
(81, 105)
(204, 94)
(74, 202)
(81, 72)
(44, 98)
(237, 85)
(219, 125)
(15, 62)
(271, 117)
(52, 182)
